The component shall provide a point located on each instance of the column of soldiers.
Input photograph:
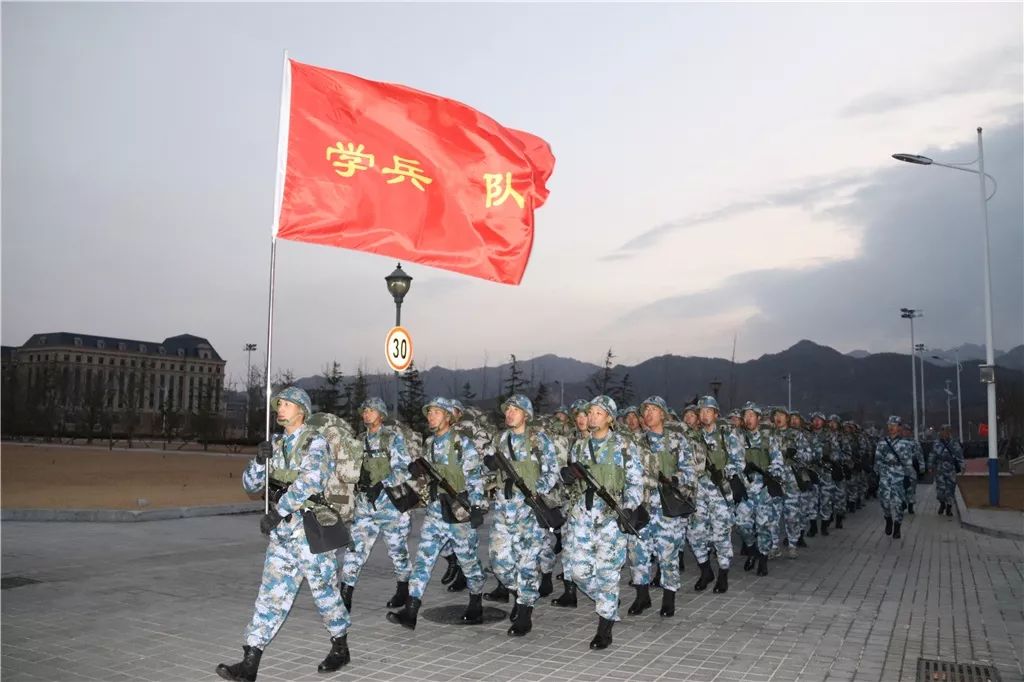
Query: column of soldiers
(592, 486)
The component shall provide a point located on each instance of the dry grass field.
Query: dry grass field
(975, 491)
(56, 477)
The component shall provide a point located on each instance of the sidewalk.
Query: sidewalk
(168, 600)
(1001, 523)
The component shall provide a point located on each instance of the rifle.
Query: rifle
(323, 533)
(449, 511)
(718, 478)
(548, 517)
(279, 488)
(583, 473)
(673, 502)
(773, 484)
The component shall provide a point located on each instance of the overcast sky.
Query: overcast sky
(721, 170)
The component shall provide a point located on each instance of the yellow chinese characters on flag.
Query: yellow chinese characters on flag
(391, 170)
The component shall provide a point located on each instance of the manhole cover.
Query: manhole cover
(452, 615)
(931, 670)
(15, 581)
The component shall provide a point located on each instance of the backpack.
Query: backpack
(347, 451)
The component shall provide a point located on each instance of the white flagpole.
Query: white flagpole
(282, 165)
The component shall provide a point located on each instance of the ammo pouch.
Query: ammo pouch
(403, 497)
(324, 538)
(674, 502)
(454, 511)
(838, 474)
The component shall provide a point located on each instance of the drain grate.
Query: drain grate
(931, 670)
(15, 581)
(452, 615)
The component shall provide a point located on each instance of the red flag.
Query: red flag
(384, 168)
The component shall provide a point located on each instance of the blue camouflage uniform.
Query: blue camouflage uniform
(796, 507)
(379, 515)
(894, 466)
(516, 536)
(597, 548)
(711, 524)
(825, 489)
(757, 517)
(947, 460)
(455, 450)
(289, 559)
(917, 464)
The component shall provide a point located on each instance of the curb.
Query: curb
(961, 506)
(127, 515)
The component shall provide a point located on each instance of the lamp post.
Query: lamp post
(959, 402)
(910, 314)
(249, 348)
(949, 397)
(789, 391)
(716, 386)
(988, 369)
(561, 393)
(924, 410)
(398, 285)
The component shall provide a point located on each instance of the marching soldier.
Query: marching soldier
(917, 465)
(711, 524)
(894, 464)
(455, 460)
(757, 516)
(841, 461)
(797, 480)
(821, 447)
(947, 460)
(607, 463)
(302, 459)
(385, 465)
(516, 535)
(568, 598)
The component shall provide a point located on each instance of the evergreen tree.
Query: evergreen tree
(602, 381)
(328, 396)
(540, 398)
(411, 399)
(467, 393)
(356, 393)
(622, 392)
(514, 383)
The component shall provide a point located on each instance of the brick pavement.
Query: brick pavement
(167, 600)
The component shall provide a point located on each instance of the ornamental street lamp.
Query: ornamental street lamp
(398, 285)
(910, 314)
(716, 386)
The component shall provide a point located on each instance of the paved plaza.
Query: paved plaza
(167, 600)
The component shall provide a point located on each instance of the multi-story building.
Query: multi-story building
(77, 376)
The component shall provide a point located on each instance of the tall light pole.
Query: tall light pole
(924, 410)
(959, 400)
(949, 396)
(561, 394)
(716, 386)
(398, 285)
(910, 314)
(249, 348)
(789, 391)
(988, 375)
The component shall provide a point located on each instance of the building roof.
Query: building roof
(189, 343)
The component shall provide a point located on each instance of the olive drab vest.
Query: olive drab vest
(717, 454)
(757, 455)
(601, 463)
(339, 499)
(377, 461)
(528, 468)
(452, 471)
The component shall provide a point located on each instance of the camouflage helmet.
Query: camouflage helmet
(835, 418)
(673, 414)
(690, 408)
(659, 402)
(457, 405)
(375, 404)
(709, 401)
(561, 409)
(894, 419)
(753, 407)
(441, 404)
(778, 408)
(817, 415)
(735, 413)
(521, 401)
(605, 403)
(293, 394)
(629, 409)
(578, 405)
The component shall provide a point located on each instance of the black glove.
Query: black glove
(364, 479)
(739, 491)
(790, 453)
(630, 513)
(476, 517)
(568, 475)
(374, 491)
(263, 452)
(749, 469)
(491, 462)
(417, 468)
(270, 521)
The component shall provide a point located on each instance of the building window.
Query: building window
(142, 348)
(122, 346)
(78, 358)
(42, 340)
(163, 351)
(78, 340)
(88, 359)
(162, 365)
(67, 357)
(101, 343)
(181, 352)
(99, 361)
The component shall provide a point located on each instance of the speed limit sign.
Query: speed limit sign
(398, 349)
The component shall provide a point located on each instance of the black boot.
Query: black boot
(604, 634)
(750, 562)
(896, 531)
(514, 613)
(745, 549)
(523, 622)
(824, 526)
(813, 529)
(245, 670)
(949, 510)
(546, 587)
(668, 603)
(474, 614)
(558, 542)
(338, 656)
(910, 508)
(681, 566)
(888, 526)
(839, 522)
(800, 542)
(407, 616)
(346, 596)
(722, 584)
(642, 601)
(707, 576)
(453, 566)
(851, 507)
(942, 508)
(401, 594)
(459, 583)
(499, 593)
(568, 598)
(762, 564)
